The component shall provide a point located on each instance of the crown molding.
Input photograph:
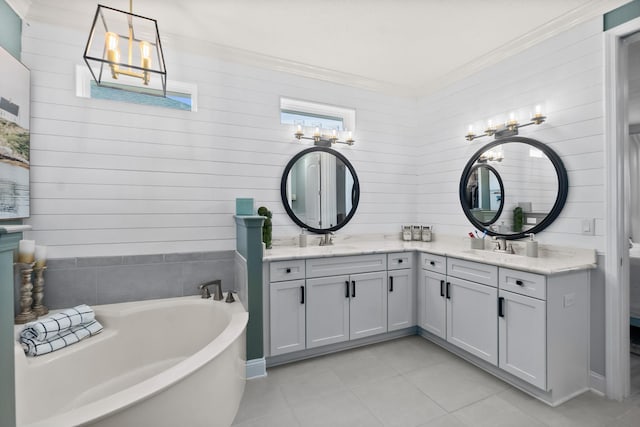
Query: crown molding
(590, 10)
(250, 58)
(20, 7)
(579, 15)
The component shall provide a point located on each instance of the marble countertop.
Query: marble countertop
(551, 259)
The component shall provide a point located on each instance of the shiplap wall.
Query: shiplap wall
(565, 75)
(114, 178)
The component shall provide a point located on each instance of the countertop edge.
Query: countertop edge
(582, 264)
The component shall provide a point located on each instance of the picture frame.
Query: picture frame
(14, 137)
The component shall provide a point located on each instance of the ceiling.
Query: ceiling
(406, 46)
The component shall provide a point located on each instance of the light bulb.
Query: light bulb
(145, 54)
(111, 40)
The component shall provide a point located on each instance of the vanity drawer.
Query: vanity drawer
(286, 270)
(338, 265)
(473, 271)
(523, 283)
(435, 263)
(399, 260)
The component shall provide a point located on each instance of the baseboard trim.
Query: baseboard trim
(256, 368)
(332, 348)
(597, 383)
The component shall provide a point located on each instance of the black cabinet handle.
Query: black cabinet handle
(501, 306)
(448, 290)
(288, 270)
(301, 294)
(400, 261)
(346, 286)
(442, 288)
(390, 283)
(353, 291)
(433, 263)
(519, 283)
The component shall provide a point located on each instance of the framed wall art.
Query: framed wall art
(14, 137)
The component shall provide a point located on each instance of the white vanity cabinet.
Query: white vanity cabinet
(346, 307)
(530, 329)
(432, 305)
(401, 291)
(461, 311)
(522, 337)
(544, 330)
(472, 321)
(287, 314)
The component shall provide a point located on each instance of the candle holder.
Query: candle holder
(38, 291)
(26, 288)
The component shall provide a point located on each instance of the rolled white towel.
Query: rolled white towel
(34, 347)
(47, 328)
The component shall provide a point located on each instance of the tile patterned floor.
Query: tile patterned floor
(411, 382)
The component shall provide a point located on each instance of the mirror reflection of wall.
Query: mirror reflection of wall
(319, 190)
(484, 193)
(531, 179)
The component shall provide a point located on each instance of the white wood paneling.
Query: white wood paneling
(116, 178)
(110, 167)
(564, 75)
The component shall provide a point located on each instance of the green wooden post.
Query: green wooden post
(8, 247)
(249, 245)
(620, 15)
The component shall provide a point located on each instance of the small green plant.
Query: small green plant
(518, 219)
(266, 227)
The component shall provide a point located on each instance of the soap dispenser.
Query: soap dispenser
(532, 246)
(303, 238)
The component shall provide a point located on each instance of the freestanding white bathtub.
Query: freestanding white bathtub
(170, 362)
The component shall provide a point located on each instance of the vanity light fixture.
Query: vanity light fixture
(116, 32)
(509, 128)
(494, 155)
(324, 140)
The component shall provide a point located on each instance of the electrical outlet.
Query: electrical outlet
(588, 226)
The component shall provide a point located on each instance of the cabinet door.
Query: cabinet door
(400, 300)
(287, 316)
(327, 310)
(368, 314)
(432, 315)
(522, 337)
(472, 321)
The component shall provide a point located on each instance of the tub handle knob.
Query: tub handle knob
(204, 292)
(230, 297)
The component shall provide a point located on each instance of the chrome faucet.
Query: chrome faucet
(217, 290)
(501, 245)
(327, 239)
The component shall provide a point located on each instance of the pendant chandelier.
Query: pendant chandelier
(125, 47)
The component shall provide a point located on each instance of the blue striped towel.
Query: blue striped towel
(34, 347)
(49, 327)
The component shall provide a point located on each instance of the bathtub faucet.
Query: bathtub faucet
(217, 289)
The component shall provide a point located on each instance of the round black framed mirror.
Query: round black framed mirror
(484, 193)
(534, 187)
(320, 190)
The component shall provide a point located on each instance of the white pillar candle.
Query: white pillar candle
(41, 256)
(26, 250)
